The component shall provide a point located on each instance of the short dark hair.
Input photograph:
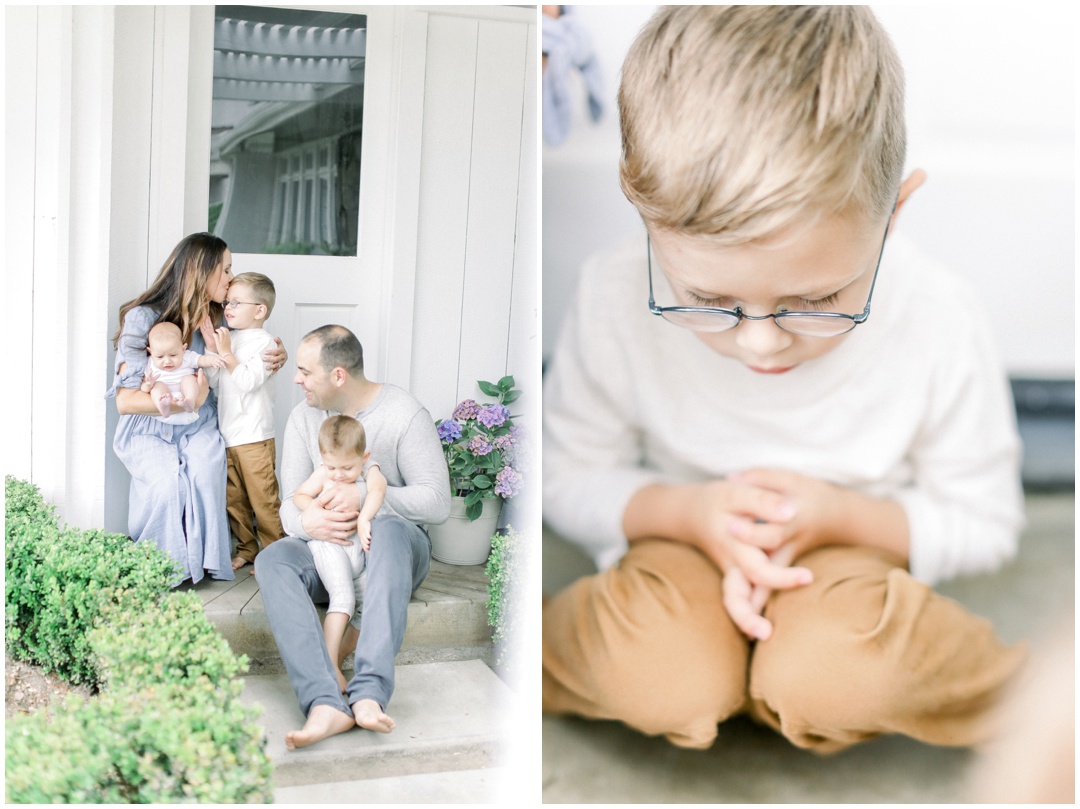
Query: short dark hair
(338, 347)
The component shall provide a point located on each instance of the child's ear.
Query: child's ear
(908, 187)
(367, 454)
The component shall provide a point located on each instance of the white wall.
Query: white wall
(991, 120)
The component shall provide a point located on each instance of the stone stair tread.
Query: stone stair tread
(449, 609)
(463, 786)
(450, 717)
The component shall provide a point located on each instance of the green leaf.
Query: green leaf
(471, 498)
(472, 510)
(506, 383)
(482, 482)
(511, 396)
(488, 388)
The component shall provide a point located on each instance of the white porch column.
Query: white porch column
(59, 99)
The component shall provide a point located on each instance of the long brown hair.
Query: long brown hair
(179, 293)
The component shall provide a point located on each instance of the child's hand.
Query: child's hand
(816, 513)
(363, 530)
(206, 328)
(745, 602)
(224, 341)
(150, 378)
(339, 497)
(212, 361)
(755, 562)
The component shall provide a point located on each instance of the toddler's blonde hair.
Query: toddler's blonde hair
(738, 121)
(262, 289)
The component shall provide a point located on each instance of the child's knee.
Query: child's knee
(663, 664)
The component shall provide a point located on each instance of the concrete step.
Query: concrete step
(447, 617)
(451, 728)
(465, 786)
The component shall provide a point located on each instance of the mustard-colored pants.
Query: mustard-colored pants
(864, 650)
(251, 496)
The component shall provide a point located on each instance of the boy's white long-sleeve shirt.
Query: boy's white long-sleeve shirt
(245, 394)
(912, 405)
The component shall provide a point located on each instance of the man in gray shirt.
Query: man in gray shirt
(403, 441)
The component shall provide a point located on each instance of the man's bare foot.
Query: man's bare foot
(369, 715)
(343, 684)
(239, 562)
(323, 721)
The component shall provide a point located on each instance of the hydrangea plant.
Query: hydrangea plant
(482, 447)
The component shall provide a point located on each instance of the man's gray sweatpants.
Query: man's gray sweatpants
(397, 563)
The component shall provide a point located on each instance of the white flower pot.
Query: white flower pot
(459, 541)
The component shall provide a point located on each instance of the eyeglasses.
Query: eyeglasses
(234, 304)
(807, 324)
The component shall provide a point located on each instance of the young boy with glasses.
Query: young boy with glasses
(246, 416)
(768, 472)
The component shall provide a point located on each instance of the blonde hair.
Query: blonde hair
(179, 293)
(738, 121)
(262, 289)
(342, 434)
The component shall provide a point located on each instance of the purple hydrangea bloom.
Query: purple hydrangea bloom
(479, 445)
(505, 441)
(493, 415)
(507, 482)
(468, 409)
(449, 431)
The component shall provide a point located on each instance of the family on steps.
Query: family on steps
(362, 470)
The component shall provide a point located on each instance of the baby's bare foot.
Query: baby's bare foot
(185, 403)
(369, 715)
(164, 404)
(323, 721)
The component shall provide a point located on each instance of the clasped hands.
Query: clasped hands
(333, 516)
(753, 525)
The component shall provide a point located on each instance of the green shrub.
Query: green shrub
(58, 582)
(168, 726)
(506, 577)
(23, 504)
(169, 743)
(173, 643)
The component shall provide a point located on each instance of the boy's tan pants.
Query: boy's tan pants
(863, 650)
(251, 496)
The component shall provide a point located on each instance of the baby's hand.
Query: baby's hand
(363, 530)
(212, 360)
(150, 377)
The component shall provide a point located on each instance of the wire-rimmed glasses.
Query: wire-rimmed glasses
(807, 324)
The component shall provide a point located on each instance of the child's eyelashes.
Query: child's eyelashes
(820, 304)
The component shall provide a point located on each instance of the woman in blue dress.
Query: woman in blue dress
(177, 497)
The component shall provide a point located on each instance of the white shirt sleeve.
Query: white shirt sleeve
(592, 446)
(965, 509)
